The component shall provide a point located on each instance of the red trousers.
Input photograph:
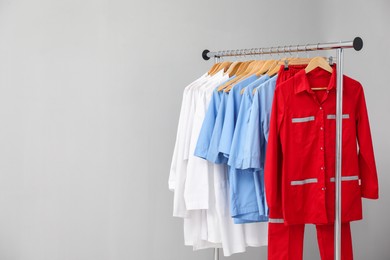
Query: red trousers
(286, 242)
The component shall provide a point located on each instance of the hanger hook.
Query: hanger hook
(233, 54)
(318, 49)
(307, 53)
(238, 53)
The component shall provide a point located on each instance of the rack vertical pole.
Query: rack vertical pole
(216, 254)
(339, 142)
(216, 250)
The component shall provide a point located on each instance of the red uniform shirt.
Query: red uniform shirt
(300, 160)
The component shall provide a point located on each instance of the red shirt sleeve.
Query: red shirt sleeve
(368, 173)
(274, 158)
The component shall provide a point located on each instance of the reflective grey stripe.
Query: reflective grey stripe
(303, 119)
(276, 220)
(313, 180)
(346, 178)
(345, 116)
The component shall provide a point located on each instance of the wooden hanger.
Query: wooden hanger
(243, 68)
(226, 84)
(256, 67)
(275, 68)
(318, 62)
(250, 67)
(227, 66)
(240, 68)
(223, 66)
(243, 75)
(213, 68)
(290, 61)
(299, 61)
(233, 68)
(267, 65)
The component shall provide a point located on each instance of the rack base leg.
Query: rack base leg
(216, 254)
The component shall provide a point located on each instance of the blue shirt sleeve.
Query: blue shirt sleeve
(213, 155)
(252, 140)
(206, 131)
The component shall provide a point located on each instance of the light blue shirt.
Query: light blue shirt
(258, 126)
(247, 180)
(232, 108)
(256, 138)
(244, 199)
(237, 150)
(205, 134)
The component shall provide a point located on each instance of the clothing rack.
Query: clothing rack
(356, 44)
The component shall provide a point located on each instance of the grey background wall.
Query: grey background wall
(90, 94)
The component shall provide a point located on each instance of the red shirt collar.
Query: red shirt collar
(302, 81)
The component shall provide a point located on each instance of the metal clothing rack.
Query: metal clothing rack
(356, 44)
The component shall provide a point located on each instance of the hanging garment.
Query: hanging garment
(300, 165)
(285, 242)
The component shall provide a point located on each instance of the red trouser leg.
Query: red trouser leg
(325, 239)
(285, 242)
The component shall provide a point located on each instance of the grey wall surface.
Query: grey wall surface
(90, 93)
